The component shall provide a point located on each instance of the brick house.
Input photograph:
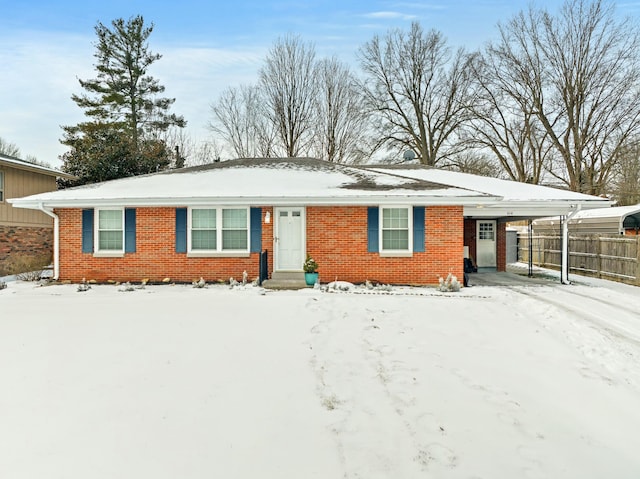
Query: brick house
(27, 232)
(403, 224)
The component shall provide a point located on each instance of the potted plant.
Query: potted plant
(310, 268)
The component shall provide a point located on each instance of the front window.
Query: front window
(203, 230)
(396, 228)
(234, 229)
(110, 230)
(217, 230)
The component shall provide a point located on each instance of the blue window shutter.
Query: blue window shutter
(418, 229)
(130, 230)
(87, 231)
(372, 229)
(255, 219)
(181, 230)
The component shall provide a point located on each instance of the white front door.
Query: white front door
(486, 244)
(289, 239)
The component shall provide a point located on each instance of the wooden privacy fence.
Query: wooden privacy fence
(615, 258)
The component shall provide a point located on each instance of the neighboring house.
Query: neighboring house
(402, 224)
(27, 232)
(619, 220)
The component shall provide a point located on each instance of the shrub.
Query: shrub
(28, 267)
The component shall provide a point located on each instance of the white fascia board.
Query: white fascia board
(261, 201)
(530, 209)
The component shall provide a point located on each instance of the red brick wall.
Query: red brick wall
(336, 237)
(155, 257)
(337, 240)
(501, 246)
(23, 240)
(470, 230)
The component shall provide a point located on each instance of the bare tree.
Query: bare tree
(418, 90)
(239, 118)
(472, 162)
(626, 177)
(288, 83)
(578, 73)
(209, 151)
(341, 120)
(504, 124)
(9, 149)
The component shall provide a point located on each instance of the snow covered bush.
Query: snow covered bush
(451, 284)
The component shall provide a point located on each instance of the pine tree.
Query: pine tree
(126, 114)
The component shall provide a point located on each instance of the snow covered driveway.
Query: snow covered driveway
(531, 381)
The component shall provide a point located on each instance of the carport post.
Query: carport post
(530, 238)
(564, 268)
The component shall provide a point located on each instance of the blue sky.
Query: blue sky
(45, 46)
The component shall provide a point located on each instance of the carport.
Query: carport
(485, 224)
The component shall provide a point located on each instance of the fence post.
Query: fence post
(638, 260)
(599, 255)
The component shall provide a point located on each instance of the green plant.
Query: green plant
(310, 265)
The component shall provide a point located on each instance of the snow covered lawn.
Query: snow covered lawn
(529, 381)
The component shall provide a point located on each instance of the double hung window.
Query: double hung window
(110, 230)
(218, 230)
(395, 231)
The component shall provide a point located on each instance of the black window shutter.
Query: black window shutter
(181, 230)
(87, 231)
(130, 230)
(255, 220)
(372, 229)
(418, 229)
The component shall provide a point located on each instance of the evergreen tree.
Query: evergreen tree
(126, 114)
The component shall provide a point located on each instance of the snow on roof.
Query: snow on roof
(256, 181)
(26, 165)
(613, 212)
(507, 189)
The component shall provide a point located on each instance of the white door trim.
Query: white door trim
(279, 262)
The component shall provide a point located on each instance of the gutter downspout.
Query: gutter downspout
(564, 269)
(56, 240)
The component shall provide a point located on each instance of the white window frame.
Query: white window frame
(96, 234)
(1, 186)
(218, 252)
(396, 252)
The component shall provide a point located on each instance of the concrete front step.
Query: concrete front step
(285, 280)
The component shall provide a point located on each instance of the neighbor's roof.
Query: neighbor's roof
(258, 182)
(314, 182)
(613, 220)
(28, 166)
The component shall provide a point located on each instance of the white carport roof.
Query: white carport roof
(518, 200)
(315, 182)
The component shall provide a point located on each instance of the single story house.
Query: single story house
(24, 232)
(402, 224)
(618, 220)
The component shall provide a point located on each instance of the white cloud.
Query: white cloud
(390, 15)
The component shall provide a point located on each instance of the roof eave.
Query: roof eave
(255, 201)
(33, 168)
